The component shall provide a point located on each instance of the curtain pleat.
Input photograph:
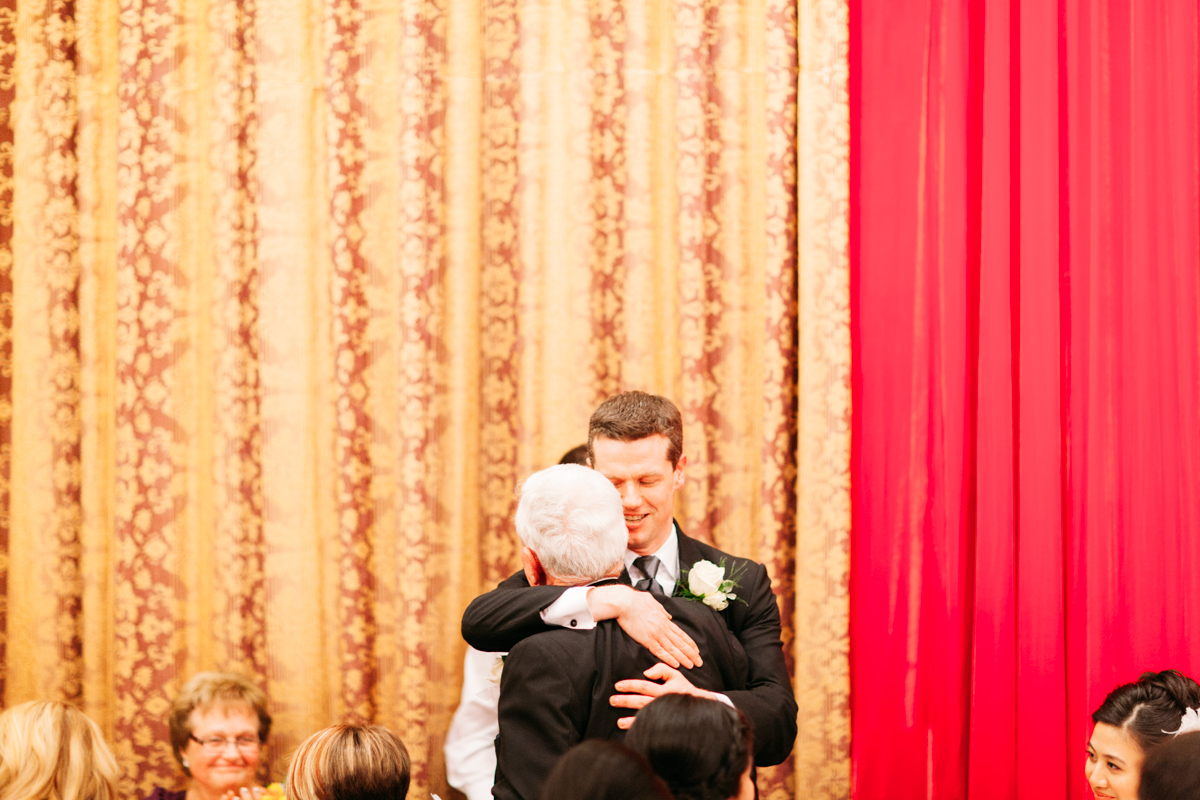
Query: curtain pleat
(1025, 317)
(293, 295)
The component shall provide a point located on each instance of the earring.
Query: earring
(185, 764)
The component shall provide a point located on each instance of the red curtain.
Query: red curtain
(1025, 249)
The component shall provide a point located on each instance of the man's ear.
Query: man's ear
(534, 573)
(679, 465)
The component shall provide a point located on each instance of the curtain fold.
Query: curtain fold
(1024, 270)
(299, 292)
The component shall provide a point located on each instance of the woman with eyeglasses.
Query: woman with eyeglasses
(219, 725)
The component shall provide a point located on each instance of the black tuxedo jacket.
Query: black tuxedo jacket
(511, 612)
(555, 686)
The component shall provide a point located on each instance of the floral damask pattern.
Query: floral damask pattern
(150, 436)
(823, 511)
(237, 387)
(500, 279)
(332, 277)
(8, 53)
(347, 115)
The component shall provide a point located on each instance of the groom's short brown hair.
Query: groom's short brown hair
(630, 416)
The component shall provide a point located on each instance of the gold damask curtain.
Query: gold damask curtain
(293, 292)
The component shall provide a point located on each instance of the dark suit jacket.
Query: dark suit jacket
(511, 612)
(555, 686)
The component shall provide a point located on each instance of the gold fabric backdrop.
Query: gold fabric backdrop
(293, 292)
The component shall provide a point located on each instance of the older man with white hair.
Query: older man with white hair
(556, 685)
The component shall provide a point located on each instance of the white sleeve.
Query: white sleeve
(470, 742)
(570, 610)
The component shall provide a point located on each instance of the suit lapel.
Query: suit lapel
(689, 553)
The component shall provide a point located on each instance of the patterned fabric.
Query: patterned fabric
(303, 295)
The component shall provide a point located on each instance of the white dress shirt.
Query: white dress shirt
(470, 743)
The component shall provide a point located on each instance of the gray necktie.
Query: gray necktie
(649, 566)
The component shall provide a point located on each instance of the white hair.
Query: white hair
(572, 517)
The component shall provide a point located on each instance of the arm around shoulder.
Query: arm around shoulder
(496, 621)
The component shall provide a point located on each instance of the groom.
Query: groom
(636, 442)
(555, 685)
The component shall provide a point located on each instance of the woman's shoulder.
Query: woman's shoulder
(160, 793)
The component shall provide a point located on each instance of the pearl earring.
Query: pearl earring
(185, 764)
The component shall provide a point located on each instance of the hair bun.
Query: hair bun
(1180, 689)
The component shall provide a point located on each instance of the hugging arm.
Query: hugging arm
(512, 611)
(496, 621)
(768, 700)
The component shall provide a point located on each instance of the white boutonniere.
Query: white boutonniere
(1189, 722)
(707, 582)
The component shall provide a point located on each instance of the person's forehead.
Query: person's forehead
(649, 452)
(1113, 741)
(224, 715)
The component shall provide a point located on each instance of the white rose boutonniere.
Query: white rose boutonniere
(707, 583)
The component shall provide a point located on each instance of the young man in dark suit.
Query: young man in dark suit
(556, 685)
(636, 442)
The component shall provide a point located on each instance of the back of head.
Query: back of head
(597, 769)
(1151, 708)
(572, 517)
(576, 455)
(1172, 770)
(350, 762)
(630, 416)
(700, 747)
(53, 751)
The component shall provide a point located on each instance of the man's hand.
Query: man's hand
(646, 622)
(637, 693)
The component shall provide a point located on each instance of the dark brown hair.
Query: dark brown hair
(700, 747)
(1172, 770)
(576, 455)
(630, 416)
(1150, 709)
(598, 769)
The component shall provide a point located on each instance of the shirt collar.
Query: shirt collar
(667, 554)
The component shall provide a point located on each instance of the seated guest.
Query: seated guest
(219, 725)
(556, 685)
(349, 762)
(1133, 720)
(1172, 770)
(702, 748)
(601, 770)
(53, 751)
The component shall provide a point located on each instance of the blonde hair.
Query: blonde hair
(53, 751)
(349, 762)
(209, 690)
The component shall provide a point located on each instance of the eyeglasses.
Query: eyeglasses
(215, 744)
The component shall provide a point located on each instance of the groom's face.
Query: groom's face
(647, 481)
